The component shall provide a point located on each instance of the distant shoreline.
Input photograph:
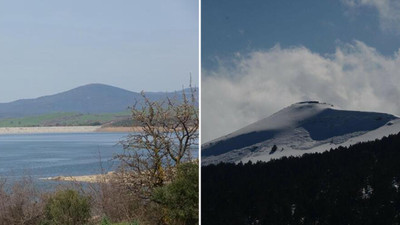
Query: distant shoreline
(94, 178)
(65, 129)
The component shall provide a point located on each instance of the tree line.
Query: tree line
(348, 185)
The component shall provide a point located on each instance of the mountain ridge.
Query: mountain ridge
(300, 128)
(90, 98)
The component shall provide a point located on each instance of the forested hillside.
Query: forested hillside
(354, 185)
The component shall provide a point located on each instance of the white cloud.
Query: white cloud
(355, 77)
(388, 10)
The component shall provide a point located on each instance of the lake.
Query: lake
(58, 154)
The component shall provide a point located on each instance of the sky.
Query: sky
(51, 46)
(261, 56)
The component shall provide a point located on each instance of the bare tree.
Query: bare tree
(168, 130)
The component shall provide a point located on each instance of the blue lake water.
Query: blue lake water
(48, 155)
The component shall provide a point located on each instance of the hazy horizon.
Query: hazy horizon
(48, 47)
(137, 91)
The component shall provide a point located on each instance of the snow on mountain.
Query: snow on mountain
(304, 127)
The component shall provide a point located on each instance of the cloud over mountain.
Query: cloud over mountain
(254, 86)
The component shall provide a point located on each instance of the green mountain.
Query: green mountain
(87, 99)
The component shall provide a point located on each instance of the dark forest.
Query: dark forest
(348, 185)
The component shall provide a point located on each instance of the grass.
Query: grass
(65, 119)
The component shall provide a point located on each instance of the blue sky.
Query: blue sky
(51, 46)
(260, 56)
(232, 26)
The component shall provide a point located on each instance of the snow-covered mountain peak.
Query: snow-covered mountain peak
(287, 118)
(298, 128)
(312, 103)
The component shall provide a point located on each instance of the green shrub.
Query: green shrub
(67, 207)
(132, 223)
(180, 197)
(105, 221)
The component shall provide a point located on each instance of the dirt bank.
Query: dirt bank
(96, 178)
(65, 129)
(34, 130)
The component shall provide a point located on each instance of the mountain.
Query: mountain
(92, 98)
(304, 127)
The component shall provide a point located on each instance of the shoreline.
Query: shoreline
(65, 129)
(94, 178)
